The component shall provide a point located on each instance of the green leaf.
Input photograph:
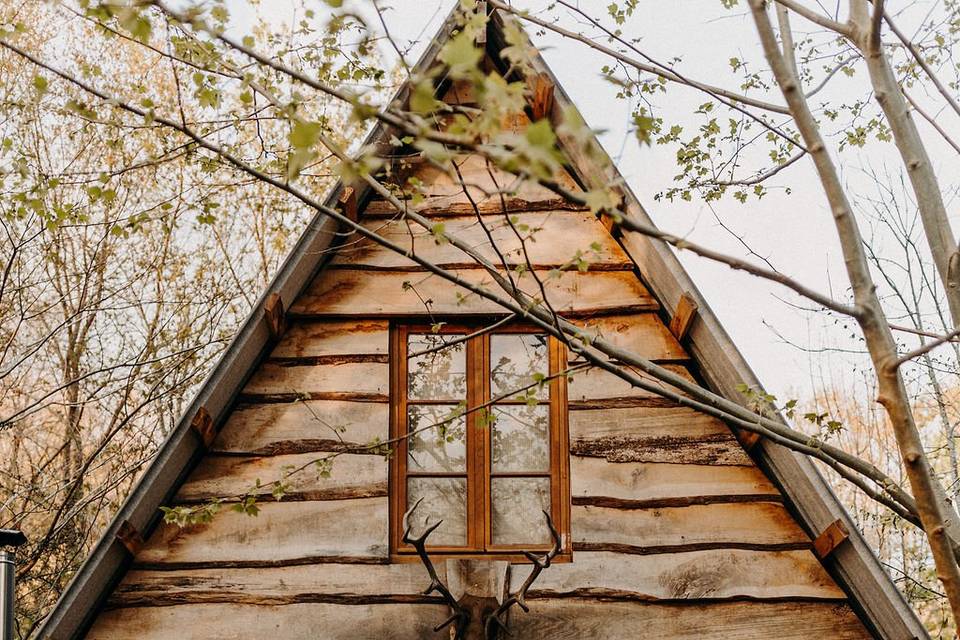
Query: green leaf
(461, 54)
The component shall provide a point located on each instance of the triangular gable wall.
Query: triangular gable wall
(650, 477)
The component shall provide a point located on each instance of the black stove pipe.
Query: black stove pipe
(9, 539)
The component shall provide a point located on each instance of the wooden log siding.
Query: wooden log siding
(372, 294)
(283, 533)
(351, 476)
(667, 506)
(761, 525)
(553, 239)
(302, 426)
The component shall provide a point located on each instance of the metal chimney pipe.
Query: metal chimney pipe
(8, 538)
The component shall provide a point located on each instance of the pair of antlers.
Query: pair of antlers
(461, 616)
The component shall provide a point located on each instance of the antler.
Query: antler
(460, 615)
(520, 595)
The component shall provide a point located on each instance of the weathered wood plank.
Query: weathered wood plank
(373, 293)
(595, 478)
(643, 333)
(713, 574)
(445, 206)
(293, 427)
(333, 338)
(365, 379)
(646, 531)
(552, 239)
(478, 177)
(224, 477)
(327, 582)
(596, 384)
(654, 434)
(311, 621)
(283, 532)
(585, 618)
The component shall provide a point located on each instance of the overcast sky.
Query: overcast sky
(784, 344)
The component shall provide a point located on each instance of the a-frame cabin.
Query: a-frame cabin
(671, 526)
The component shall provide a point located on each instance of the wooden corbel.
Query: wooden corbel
(347, 203)
(275, 316)
(541, 102)
(683, 317)
(202, 424)
(130, 537)
(831, 538)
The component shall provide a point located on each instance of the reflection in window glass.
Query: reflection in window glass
(443, 499)
(515, 359)
(520, 438)
(438, 375)
(517, 508)
(436, 448)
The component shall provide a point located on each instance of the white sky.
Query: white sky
(794, 231)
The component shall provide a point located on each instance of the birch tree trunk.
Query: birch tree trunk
(870, 316)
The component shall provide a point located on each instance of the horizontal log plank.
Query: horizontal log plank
(596, 384)
(333, 338)
(224, 477)
(360, 378)
(311, 621)
(713, 574)
(282, 532)
(749, 525)
(551, 238)
(586, 618)
(274, 585)
(675, 435)
(298, 427)
(378, 294)
(457, 205)
(595, 478)
(643, 333)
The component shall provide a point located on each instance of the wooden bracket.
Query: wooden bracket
(748, 439)
(683, 317)
(276, 318)
(347, 203)
(202, 424)
(831, 538)
(130, 537)
(541, 102)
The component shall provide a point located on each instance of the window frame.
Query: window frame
(478, 467)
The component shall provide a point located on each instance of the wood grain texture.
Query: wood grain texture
(643, 333)
(595, 477)
(713, 574)
(332, 338)
(351, 476)
(282, 532)
(596, 384)
(644, 530)
(584, 618)
(295, 427)
(654, 434)
(314, 621)
(328, 582)
(358, 378)
(552, 238)
(383, 294)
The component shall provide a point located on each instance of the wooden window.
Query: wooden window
(486, 446)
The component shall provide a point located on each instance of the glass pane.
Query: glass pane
(514, 361)
(436, 448)
(443, 499)
(521, 440)
(517, 516)
(437, 375)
